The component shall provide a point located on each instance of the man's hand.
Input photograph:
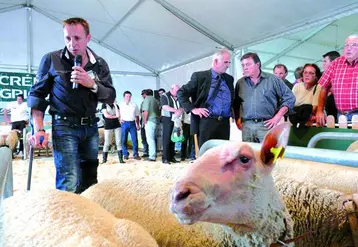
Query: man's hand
(239, 123)
(272, 122)
(201, 112)
(321, 118)
(80, 76)
(35, 139)
(178, 112)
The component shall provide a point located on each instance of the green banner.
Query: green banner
(12, 84)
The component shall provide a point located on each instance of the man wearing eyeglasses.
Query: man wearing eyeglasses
(341, 77)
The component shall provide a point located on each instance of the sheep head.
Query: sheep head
(231, 184)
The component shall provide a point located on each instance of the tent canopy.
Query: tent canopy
(149, 37)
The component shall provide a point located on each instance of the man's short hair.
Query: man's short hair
(149, 92)
(75, 21)
(254, 57)
(20, 95)
(332, 55)
(280, 65)
(298, 72)
(127, 92)
(161, 90)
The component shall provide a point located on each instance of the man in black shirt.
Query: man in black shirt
(74, 130)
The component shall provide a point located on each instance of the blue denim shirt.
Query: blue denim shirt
(221, 104)
(264, 99)
(53, 78)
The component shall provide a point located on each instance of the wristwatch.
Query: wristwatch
(94, 88)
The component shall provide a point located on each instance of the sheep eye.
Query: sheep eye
(244, 159)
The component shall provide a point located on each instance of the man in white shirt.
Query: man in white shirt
(129, 113)
(19, 116)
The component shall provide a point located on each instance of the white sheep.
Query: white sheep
(353, 147)
(329, 176)
(9, 139)
(229, 191)
(318, 211)
(58, 218)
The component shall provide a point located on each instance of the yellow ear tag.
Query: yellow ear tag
(276, 152)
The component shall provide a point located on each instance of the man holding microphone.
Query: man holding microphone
(76, 79)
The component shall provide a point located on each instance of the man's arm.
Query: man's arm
(189, 90)
(145, 117)
(37, 102)
(320, 116)
(106, 92)
(186, 91)
(6, 116)
(38, 127)
(286, 102)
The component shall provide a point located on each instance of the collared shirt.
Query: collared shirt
(128, 112)
(221, 104)
(168, 99)
(342, 78)
(264, 99)
(151, 105)
(18, 111)
(53, 78)
(306, 96)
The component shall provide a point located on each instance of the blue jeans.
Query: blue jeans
(74, 147)
(349, 116)
(150, 131)
(129, 126)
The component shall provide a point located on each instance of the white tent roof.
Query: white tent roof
(147, 37)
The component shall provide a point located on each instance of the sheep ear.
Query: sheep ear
(274, 143)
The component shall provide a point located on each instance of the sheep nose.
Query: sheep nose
(182, 194)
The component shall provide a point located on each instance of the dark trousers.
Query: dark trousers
(331, 108)
(19, 125)
(212, 128)
(168, 145)
(144, 140)
(188, 140)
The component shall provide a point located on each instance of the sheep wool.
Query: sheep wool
(318, 211)
(58, 218)
(353, 147)
(145, 200)
(12, 139)
(329, 176)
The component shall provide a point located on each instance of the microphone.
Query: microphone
(78, 62)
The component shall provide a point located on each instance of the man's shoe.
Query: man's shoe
(125, 157)
(149, 159)
(182, 159)
(136, 158)
(174, 161)
(166, 162)
(145, 155)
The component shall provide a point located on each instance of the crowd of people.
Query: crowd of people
(201, 108)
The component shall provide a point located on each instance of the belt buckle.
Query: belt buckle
(84, 120)
(256, 120)
(220, 118)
